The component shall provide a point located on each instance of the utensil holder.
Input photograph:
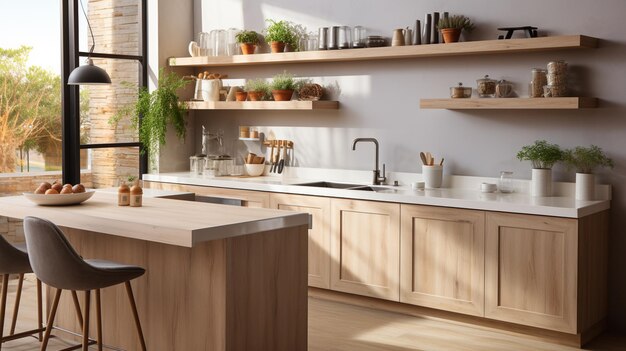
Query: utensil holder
(433, 176)
(585, 186)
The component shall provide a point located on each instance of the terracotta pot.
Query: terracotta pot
(277, 46)
(255, 95)
(241, 96)
(451, 35)
(247, 48)
(282, 95)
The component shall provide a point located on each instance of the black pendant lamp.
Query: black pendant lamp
(88, 74)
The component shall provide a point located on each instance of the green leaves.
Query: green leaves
(586, 159)
(456, 22)
(159, 108)
(283, 81)
(541, 154)
(247, 37)
(284, 31)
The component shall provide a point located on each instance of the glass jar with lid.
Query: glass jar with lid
(486, 87)
(460, 92)
(539, 79)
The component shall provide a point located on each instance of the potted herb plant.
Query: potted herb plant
(248, 40)
(159, 109)
(257, 89)
(543, 156)
(280, 33)
(282, 86)
(585, 160)
(451, 27)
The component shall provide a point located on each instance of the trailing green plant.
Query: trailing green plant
(586, 159)
(283, 81)
(456, 22)
(285, 32)
(247, 37)
(541, 154)
(158, 109)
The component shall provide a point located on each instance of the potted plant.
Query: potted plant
(257, 89)
(543, 156)
(248, 40)
(241, 95)
(158, 108)
(585, 160)
(278, 34)
(282, 86)
(451, 27)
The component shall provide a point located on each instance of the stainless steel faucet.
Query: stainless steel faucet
(378, 179)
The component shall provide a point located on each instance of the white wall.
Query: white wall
(381, 99)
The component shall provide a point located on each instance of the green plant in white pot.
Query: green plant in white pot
(543, 156)
(585, 160)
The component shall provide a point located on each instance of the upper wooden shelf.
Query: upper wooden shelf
(558, 103)
(263, 105)
(395, 52)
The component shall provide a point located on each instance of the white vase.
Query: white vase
(585, 186)
(541, 182)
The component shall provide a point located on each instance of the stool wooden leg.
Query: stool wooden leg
(3, 304)
(79, 314)
(39, 310)
(131, 298)
(53, 312)
(99, 319)
(86, 321)
(16, 308)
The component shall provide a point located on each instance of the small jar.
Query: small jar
(504, 89)
(123, 195)
(460, 92)
(136, 196)
(506, 182)
(539, 79)
(557, 67)
(486, 87)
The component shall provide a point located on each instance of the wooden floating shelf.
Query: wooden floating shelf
(263, 105)
(395, 52)
(557, 103)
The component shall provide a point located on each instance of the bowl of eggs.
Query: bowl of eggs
(57, 194)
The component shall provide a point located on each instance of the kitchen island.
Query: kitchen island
(217, 277)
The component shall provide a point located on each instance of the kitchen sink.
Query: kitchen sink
(346, 186)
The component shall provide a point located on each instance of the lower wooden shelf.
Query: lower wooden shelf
(557, 103)
(263, 105)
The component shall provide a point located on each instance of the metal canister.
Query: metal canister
(323, 38)
(333, 37)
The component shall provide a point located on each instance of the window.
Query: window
(119, 30)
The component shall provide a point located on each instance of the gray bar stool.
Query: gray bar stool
(14, 260)
(55, 263)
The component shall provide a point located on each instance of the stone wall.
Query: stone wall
(115, 24)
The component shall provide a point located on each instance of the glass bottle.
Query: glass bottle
(539, 79)
(506, 182)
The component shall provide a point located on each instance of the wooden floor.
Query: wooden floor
(339, 327)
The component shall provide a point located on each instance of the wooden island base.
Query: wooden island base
(241, 293)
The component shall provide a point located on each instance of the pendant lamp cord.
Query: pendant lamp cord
(93, 39)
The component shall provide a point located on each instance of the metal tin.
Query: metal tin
(323, 38)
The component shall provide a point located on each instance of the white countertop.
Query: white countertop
(457, 196)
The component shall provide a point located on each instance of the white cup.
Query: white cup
(433, 176)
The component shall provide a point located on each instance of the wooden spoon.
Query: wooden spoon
(423, 157)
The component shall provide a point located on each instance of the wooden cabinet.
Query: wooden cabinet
(442, 258)
(531, 270)
(250, 198)
(365, 248)
(319, 234)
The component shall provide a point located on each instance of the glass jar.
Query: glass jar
(345, 37)
(460, 92)
(539, 79)
(359, 37)
(506, 182)
(504, 89)
(486, 87)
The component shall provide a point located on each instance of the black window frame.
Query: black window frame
(70, 116)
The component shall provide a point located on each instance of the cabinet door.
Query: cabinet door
(442, 258)
(365, 248)
(531, 270)
(319, 234)
(250, 198)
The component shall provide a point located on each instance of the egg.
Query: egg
(52, 191)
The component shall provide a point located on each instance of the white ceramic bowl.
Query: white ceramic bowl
(59, 199)
(254, 170)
